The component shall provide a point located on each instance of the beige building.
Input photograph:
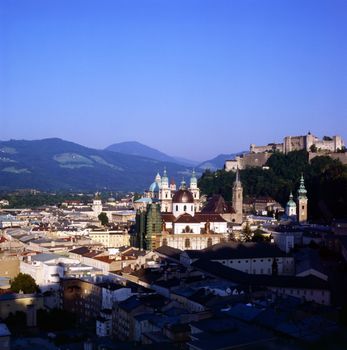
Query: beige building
(9, 265)
(110, 239)
(305, 142)
(258, 155)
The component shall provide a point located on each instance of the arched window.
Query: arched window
(209, 242)
(185, 208)
(191, 208)
(164, 242)
(187, 229)
(187, 243)
(166, 195)
(176, 207)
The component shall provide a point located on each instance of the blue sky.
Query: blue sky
(192, 78)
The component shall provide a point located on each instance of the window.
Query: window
(209, 242)
(166, 195)
(185, 208)
(303, 207)
(187, 243)
(165, 242)
(176, 207)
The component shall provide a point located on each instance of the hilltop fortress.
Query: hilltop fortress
(258, 155)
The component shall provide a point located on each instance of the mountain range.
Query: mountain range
(55, 164)
(138, 149)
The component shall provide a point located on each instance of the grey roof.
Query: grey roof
(235, 250)
(226, 333)
(45, 257)
(217, 269)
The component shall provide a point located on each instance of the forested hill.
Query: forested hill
(325, 181)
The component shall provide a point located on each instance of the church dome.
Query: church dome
(154, 187)
(291, 203)
(183, 196)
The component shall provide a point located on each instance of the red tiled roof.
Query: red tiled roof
(187, 219)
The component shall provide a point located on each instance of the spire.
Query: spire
(302, 190)
(183, 184)
(237, 175)
(165, 180)
(193, 180)
(158, 178)
(237, 182)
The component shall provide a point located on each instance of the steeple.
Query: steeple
(193, 181)
(237, 180)
(302, 201)
(238, 197)
(165, 180)
(291, 207)
(158, 178)
(183, 185)
(302, 190)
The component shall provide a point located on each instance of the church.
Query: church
(177, 219)
(162, 191)
(297, 212)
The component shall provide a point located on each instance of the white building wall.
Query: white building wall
(317, 295)
(260, 266)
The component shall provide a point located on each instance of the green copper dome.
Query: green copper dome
(193, 179)
(165, 178)
(291, 203)
(302, 190)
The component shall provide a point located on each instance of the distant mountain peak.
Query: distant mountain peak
(139, 149)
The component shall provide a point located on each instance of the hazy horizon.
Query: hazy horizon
(192, 79)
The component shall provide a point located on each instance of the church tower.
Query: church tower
(238, 197)
(97, 204)
(193, 188)
(291, 207)
(302, 202)
(165, 193)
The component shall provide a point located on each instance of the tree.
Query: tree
(313, 148)
(103, 218)
(25, 283)
(246, 233)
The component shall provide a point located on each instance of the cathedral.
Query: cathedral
(177, 218)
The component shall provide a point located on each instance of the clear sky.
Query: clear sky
(192, 78)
